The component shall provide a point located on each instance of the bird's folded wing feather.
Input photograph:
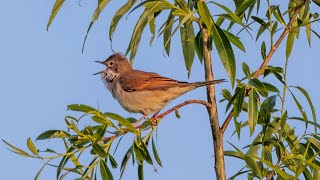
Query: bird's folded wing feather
(146, 81)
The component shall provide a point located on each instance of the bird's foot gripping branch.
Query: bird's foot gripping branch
(99, 141)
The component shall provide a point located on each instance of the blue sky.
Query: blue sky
(42, 72)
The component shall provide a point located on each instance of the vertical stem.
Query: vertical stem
(217, 134)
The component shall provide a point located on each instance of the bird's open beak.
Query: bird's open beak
(100, 62)
(99, 72)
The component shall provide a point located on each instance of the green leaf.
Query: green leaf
(17, 150)
(105, 171)
(140, 154)
(167, 32)
(100, 132)
(263, 50)
(125, 161)
(113, 162)
(276, 169)
(259, 86)
(244, 6)
(252, 110)
(155, 153)
(234, 16)
(145, 149)
(118, 15)
(246, 70)
(205, 15)
(225, 52)
(252, 165)
(140, 172)
(176, 112)
(306, 95)
(122, 121)
(81, 108)
(283, 122)
(137, 33)
(289, 44)
(303, 113)
(198, 44)
(317, 2)
(99, 150)
(56, 7)
(278, 16)
(53, 134)
(187, 41)
(101, 5)
(32, 147)
(64, 161)
(270, 87)
(234, 40)
(41, 169)
(238, 104)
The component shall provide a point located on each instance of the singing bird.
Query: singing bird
(139, 91)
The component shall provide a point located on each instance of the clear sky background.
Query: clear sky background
(42, 72)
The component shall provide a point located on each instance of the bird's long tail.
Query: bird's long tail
(205, 83)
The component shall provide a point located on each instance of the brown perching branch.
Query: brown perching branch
(157, 117)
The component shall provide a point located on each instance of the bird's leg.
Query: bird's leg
(154, 119)
(143, 117)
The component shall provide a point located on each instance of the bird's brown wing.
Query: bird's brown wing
(146, 81)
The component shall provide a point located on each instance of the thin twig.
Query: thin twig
(268, 58)
(154, 118)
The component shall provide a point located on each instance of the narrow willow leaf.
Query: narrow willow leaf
(270, 87)
(167, 33)
(234, 16)
(251, 164)
(140, 172)
(155, 153)
(17, 150)
(244, 6)
(56, 7)
(64, 161)
(303, 113)
(315, 142)
(122, 121)
(238, 104)
(198, 44)
(266, 108)
(81, 108)
(263, 50)
(100, 132)
(32, 147)
(261, 30)
(308, 33)
(99, 150)
(187, 41)
(289, 44)
(225, 52)
(246, 70)
(105, 171)
(306, 95)
(277, 14)
(53, 134)
(41, 169)
(283, 122)
(234, 40)
(152, 27)
(113, 162)
(125, 161)
(118, 15)
(137, 33)
(101, 5)
(145, 149)
(205, 15)
(252, 110)
(259, 86)
(276, 169)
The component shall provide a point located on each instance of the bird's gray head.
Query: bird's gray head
(116, 65)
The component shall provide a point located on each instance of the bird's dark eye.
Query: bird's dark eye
(111, 63)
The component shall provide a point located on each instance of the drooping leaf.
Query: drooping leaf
(118, 15)
(289, 44)
(99, 150)
(56, 7)
(122, 121)
(53, 134)
(187, 41)
(225, 52)
(198, 45)
(16, 150)
(277, 14)
(235, 40)
(113, 162)
(167, 33)
(238, 104)
(64, 161)
(105, 171)
(252, 111)
(244, 6)
(125, 161)
(155, 153)
(32, 147)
